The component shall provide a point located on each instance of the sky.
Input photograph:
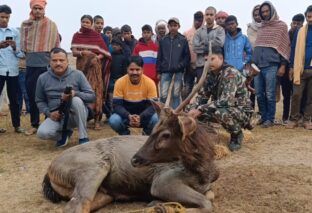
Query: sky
(67, 13)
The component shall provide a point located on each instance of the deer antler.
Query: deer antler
(170, 91)
(198, 85)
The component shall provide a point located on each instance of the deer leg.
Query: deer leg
(174, 190)
(86, 187)
(100, 200)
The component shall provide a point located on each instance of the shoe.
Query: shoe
(31, 131)
(291, 125)
(19, 130)
(284, 122)
(236, 141)
(307, 125)
(64, 140)
(2, 130)
(267, 124)
(260, 121)
(83, 140)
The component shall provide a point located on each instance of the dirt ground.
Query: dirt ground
(272, 173)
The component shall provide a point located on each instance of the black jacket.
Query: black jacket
(173, 54)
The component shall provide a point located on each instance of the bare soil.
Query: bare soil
(272, 173)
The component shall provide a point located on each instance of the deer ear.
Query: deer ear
(188, 125)
(158, 106)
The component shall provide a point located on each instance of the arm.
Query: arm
(186, 57)
(248, 51)
(41, 99)
(159, 58)
(293, 49)
(118, 103)
(220, 37)
(85, 92)
(198, 45)
(151, 94)
(227, 98)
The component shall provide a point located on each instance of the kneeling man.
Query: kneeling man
(230, 103)
(50, 93)
(131, 100)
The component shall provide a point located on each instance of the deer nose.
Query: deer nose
(136, 161)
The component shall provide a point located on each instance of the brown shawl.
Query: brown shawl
(274, 34)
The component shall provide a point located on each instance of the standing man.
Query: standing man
(301, 72)
(206, 33)
(49, 93)
(9, 58)
(271, 55)
(237, 48)
(172, 59)
(38, 36)
(128, 40)
(229, 105)
(220, 18)
(190, 73)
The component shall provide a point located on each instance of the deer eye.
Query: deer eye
(166, 135)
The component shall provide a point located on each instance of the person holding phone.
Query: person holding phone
(9, 58)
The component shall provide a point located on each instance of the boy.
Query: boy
(147, 49)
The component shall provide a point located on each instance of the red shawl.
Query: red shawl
(274, 34)
(89, 39)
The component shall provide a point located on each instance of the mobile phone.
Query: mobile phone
(9, 38)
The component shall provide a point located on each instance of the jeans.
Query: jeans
(22, 93)
(121, 125)
(286, 86)
(32, 75)
(265, 84)
(52, 130)
(177, 88)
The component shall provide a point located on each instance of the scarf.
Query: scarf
(273, 33)
(300, 54)
(39, 36)
(89, 39)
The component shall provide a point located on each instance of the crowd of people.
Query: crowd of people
(117, 75)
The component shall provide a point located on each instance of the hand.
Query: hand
(55, 116)
(281, 71)
(194, 113)
(12, 43)
(291, 74)
(4, 44)
(134, 120)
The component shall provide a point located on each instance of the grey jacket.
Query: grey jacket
(50, 88)
(201, 40)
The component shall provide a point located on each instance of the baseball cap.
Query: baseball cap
(174, 19)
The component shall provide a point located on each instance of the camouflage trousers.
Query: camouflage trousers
(232, 119)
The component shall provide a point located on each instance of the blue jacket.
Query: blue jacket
(237, 50)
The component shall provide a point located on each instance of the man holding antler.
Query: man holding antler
(230, 104)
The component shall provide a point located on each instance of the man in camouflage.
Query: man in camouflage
(230, 103)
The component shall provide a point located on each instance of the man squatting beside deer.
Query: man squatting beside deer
(230, 103)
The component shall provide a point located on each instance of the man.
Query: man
(229, 103)
(131, 100)
(9, 58)
(172, 59)
(220, 18)
(301, 72)
(190, 73)
(161, 29)
(38, 36)
(49, 92)
(205, 34)
(128, 40)
(147, 49)
(284, 83)
(271, 55)
(237, 48)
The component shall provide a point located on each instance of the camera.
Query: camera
(64, 105)
(68, 90)
(9, 38)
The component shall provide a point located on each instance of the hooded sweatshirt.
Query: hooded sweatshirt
(50, 88)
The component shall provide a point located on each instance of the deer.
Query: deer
(175, 163)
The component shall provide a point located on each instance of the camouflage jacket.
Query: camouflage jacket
(226, 89)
